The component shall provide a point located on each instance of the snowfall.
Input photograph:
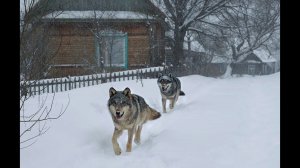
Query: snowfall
(219, 123)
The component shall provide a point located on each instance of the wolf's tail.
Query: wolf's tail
(153, 114)
(181, 93)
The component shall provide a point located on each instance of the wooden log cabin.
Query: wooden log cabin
(94, 36)
(258, 62)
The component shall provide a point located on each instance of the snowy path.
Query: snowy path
(220, 123)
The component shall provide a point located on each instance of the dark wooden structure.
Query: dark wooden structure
(254, 64)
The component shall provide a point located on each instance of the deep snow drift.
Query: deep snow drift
(219, 123)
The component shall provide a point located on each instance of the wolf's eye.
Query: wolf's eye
(165, 81)
(124, 103)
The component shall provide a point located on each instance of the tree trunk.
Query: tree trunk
(178, 47)
(234, 54)
(234, 57)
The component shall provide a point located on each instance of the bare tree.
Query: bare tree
(181, 15)
(35, 58)
(239, 28)
(249, 25)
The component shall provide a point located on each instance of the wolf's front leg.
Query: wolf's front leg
(137, 137)
(164, 101)
(172, 103)
(116, 135)
(129, 142)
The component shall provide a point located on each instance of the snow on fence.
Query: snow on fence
(63, 84)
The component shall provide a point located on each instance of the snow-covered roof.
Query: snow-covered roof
(220, 59)
(264, 56)
(97, 14)
(252, 61)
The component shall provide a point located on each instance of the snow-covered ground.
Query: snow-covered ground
(219, 123)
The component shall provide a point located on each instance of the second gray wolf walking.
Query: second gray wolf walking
(128, 112)
(170, 88)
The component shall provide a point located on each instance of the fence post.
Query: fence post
(61, 87)
(47, 86)
(105, 78)
(56, 85)
(114, 77)
(79, 82)
(52, 85)
(92, 79)
(34, 89)
(69, 81)
(43, 84)
(65, 83)
(83, 80)
(39, 87)
(30, 88)
(132, 75)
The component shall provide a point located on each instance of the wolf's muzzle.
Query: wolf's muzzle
(119, 114)
(164, 87)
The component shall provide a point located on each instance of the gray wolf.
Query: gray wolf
(128, 112)
(170, 89)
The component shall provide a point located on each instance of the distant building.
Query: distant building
(258, 62)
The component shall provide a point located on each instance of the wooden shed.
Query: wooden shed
(255, 63)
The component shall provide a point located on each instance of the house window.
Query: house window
(251, 69)
(111, 49)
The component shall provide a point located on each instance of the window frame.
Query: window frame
(123, 36)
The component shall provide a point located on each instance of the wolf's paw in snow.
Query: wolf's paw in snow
(117, 151)
(137, 141)
(171, 106)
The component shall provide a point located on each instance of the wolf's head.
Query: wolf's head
(119, 103)
(165, 82)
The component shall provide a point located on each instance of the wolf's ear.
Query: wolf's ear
(170, 75)
(127, 92)
(112, 92)
(159, 74)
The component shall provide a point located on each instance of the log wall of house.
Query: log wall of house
(75, 44)
(138, 44)
(243, 68)
(74, 47)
